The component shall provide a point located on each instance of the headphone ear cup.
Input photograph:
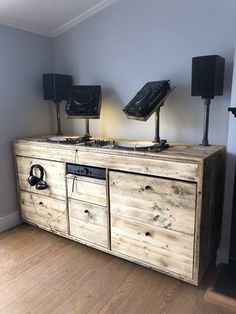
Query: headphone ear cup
(33, 180)
(41, 185)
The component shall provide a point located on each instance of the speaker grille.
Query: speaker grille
(207, 76)
(57, 87)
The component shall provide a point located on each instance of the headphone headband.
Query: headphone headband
(40, 168)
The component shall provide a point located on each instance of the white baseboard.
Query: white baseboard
(9, 221)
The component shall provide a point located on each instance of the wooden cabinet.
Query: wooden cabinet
(160, 202)
(54, 176)
(88, 210)
(152, 220)
(89, 222)
(158, 247)
(44, 211)
(87, 190)
(45, 208)
(161, 210)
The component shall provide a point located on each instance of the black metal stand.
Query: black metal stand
(233, 110)
(87, 132)
(59, 132)
(157, 126)
(207, 103)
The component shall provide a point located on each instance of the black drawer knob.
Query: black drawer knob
(147, 234)
(41, 203)
(148, 187)
(86, 211)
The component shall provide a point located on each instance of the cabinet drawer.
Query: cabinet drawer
(89, 222)
(156, 201)
(165, 249)
(44, 211)
(87, 189)
(54, 176)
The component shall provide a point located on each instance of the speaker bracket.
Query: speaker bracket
(87, 132)
(59, 131)
(233, 110)
(207, 102)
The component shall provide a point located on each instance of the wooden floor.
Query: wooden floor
(43, 273)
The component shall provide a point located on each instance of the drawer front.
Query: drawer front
(44, 211)
(49, 151)
(54, 176)
(89, 222)
(163, 168)
(164, 249)
(164, 203)
(87, 190)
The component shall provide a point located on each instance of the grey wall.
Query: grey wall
(23, 58)
(135, 41)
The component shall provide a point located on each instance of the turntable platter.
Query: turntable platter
(134, 145)
(83, 98)
(142, 96)
(65, 139)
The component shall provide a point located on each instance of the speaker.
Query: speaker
(208, 76)
(35, 180)
(57, 87)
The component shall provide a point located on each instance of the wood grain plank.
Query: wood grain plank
(92, 191)
(160, 202)
(112, 159)
(166, 249)
(44, 211)
(89, 222)
(65, 277)
(54, 176)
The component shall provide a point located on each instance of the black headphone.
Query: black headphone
(36, 181)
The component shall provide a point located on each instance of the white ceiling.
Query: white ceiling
(48, 17)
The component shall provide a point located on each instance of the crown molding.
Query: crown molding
(82, 17)
(20, 26)
(65, 27)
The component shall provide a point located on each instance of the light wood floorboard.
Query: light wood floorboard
(44, 273)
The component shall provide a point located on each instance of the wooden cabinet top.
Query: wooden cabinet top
(177, 151)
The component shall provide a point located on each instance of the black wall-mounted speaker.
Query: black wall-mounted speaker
(208, 76)
(57, 87)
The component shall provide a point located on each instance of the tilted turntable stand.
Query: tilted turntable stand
(156, 110)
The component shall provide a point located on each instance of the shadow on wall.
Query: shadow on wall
(112, 117)
(114, 122)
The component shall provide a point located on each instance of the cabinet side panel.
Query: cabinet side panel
(212, 201)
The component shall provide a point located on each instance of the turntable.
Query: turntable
(142, 147)
(85, 103)
(67, 140)
(147, 101)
